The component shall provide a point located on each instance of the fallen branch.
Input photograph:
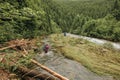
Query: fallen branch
(15, 43)
(1, 59)
(45, 68)
(7, 47)
(11, 46)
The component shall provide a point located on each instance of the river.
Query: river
(97, 41)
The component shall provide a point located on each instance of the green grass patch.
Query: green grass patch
(99, 59)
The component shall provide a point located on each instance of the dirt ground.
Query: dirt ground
(4, 75)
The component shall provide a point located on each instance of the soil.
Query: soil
(4, 75)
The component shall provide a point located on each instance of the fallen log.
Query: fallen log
(45, 68)
(11, 46)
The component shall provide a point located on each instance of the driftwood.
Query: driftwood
(45, 68)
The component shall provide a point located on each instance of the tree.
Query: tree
(116, 9)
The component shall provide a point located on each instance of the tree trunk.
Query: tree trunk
(45, 68)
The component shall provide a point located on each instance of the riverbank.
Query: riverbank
(97, 41)
(71, 69)
(97, 58)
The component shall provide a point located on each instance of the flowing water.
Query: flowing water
(95, 40)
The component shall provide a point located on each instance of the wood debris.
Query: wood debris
(23, 44)
(45, 68)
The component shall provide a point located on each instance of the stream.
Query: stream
(95, 40)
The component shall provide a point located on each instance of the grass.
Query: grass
(102, 60)
(14, 58)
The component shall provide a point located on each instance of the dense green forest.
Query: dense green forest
(32, 18)
(95, 18)
(25, 19)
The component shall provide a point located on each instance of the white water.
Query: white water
(95, 40)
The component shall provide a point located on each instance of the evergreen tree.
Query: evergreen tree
(116, 9)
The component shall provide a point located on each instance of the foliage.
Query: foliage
(32, 18)
(24, 19)
(11, 64)
(100, 59)
(106, 28)
(108, 45)
(116, 9)
(91, 8)
(95, 18)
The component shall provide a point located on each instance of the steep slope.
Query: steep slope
(95, 18)
(25, 19)
(68, 68)
(100, 59)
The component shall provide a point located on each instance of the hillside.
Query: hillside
(27, 25)
(28, 19)
(95, 18)
(100, 59)
(25, 19)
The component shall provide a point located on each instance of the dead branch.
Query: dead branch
(11, 46)
(37, 63)
(45, 68)
(1, 59)
(16, 43)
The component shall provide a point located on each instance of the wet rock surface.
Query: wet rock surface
(68, 68)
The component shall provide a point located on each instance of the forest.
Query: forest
(25, 19)
(32, 18)
(94, 18)
(28, 26)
